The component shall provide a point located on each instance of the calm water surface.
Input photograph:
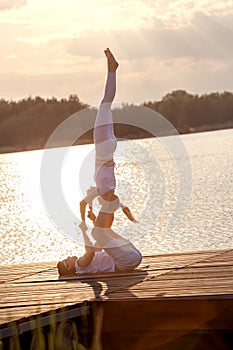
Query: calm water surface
(148, 181)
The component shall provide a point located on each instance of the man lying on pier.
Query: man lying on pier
(110, 253)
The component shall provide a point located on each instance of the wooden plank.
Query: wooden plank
(165, 289)
(53, 276)
(11, 273)
(174, 260)
(53, 298)
(188, 253)
(224, 259)
(217, 272)
(160, 294)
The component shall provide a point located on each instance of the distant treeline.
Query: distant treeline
(28, 124)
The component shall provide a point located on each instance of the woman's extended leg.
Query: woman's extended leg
(104, 137)
(105, 146)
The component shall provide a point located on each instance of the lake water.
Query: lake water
(180, 189)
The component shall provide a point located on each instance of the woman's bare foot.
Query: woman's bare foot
(112, 63)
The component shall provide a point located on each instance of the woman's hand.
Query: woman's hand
(91, 215)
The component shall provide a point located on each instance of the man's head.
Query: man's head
(67, 266)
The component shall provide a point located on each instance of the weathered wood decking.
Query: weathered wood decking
(169, 291)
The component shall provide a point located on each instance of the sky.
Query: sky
(55, 47)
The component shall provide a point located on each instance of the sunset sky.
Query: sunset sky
(55, 47)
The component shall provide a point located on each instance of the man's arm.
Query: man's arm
(86, 259)
(91, 194)
(82, 206)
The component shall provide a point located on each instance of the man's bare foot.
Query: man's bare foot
(112, 63)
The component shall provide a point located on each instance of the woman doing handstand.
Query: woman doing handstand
(105, 146)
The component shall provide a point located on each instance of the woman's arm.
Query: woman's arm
(128, 213)
(91, 194)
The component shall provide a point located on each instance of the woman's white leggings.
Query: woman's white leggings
(105, 140)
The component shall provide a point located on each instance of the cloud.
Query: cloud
(179, 12)
(86, 84)
(9, 4)
(140, 81)
(151, 80)
(206, 37)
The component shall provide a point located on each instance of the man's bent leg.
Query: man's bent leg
(125, 255)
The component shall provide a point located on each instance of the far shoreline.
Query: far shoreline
(87, 141)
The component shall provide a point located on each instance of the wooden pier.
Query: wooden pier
(172, 301)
